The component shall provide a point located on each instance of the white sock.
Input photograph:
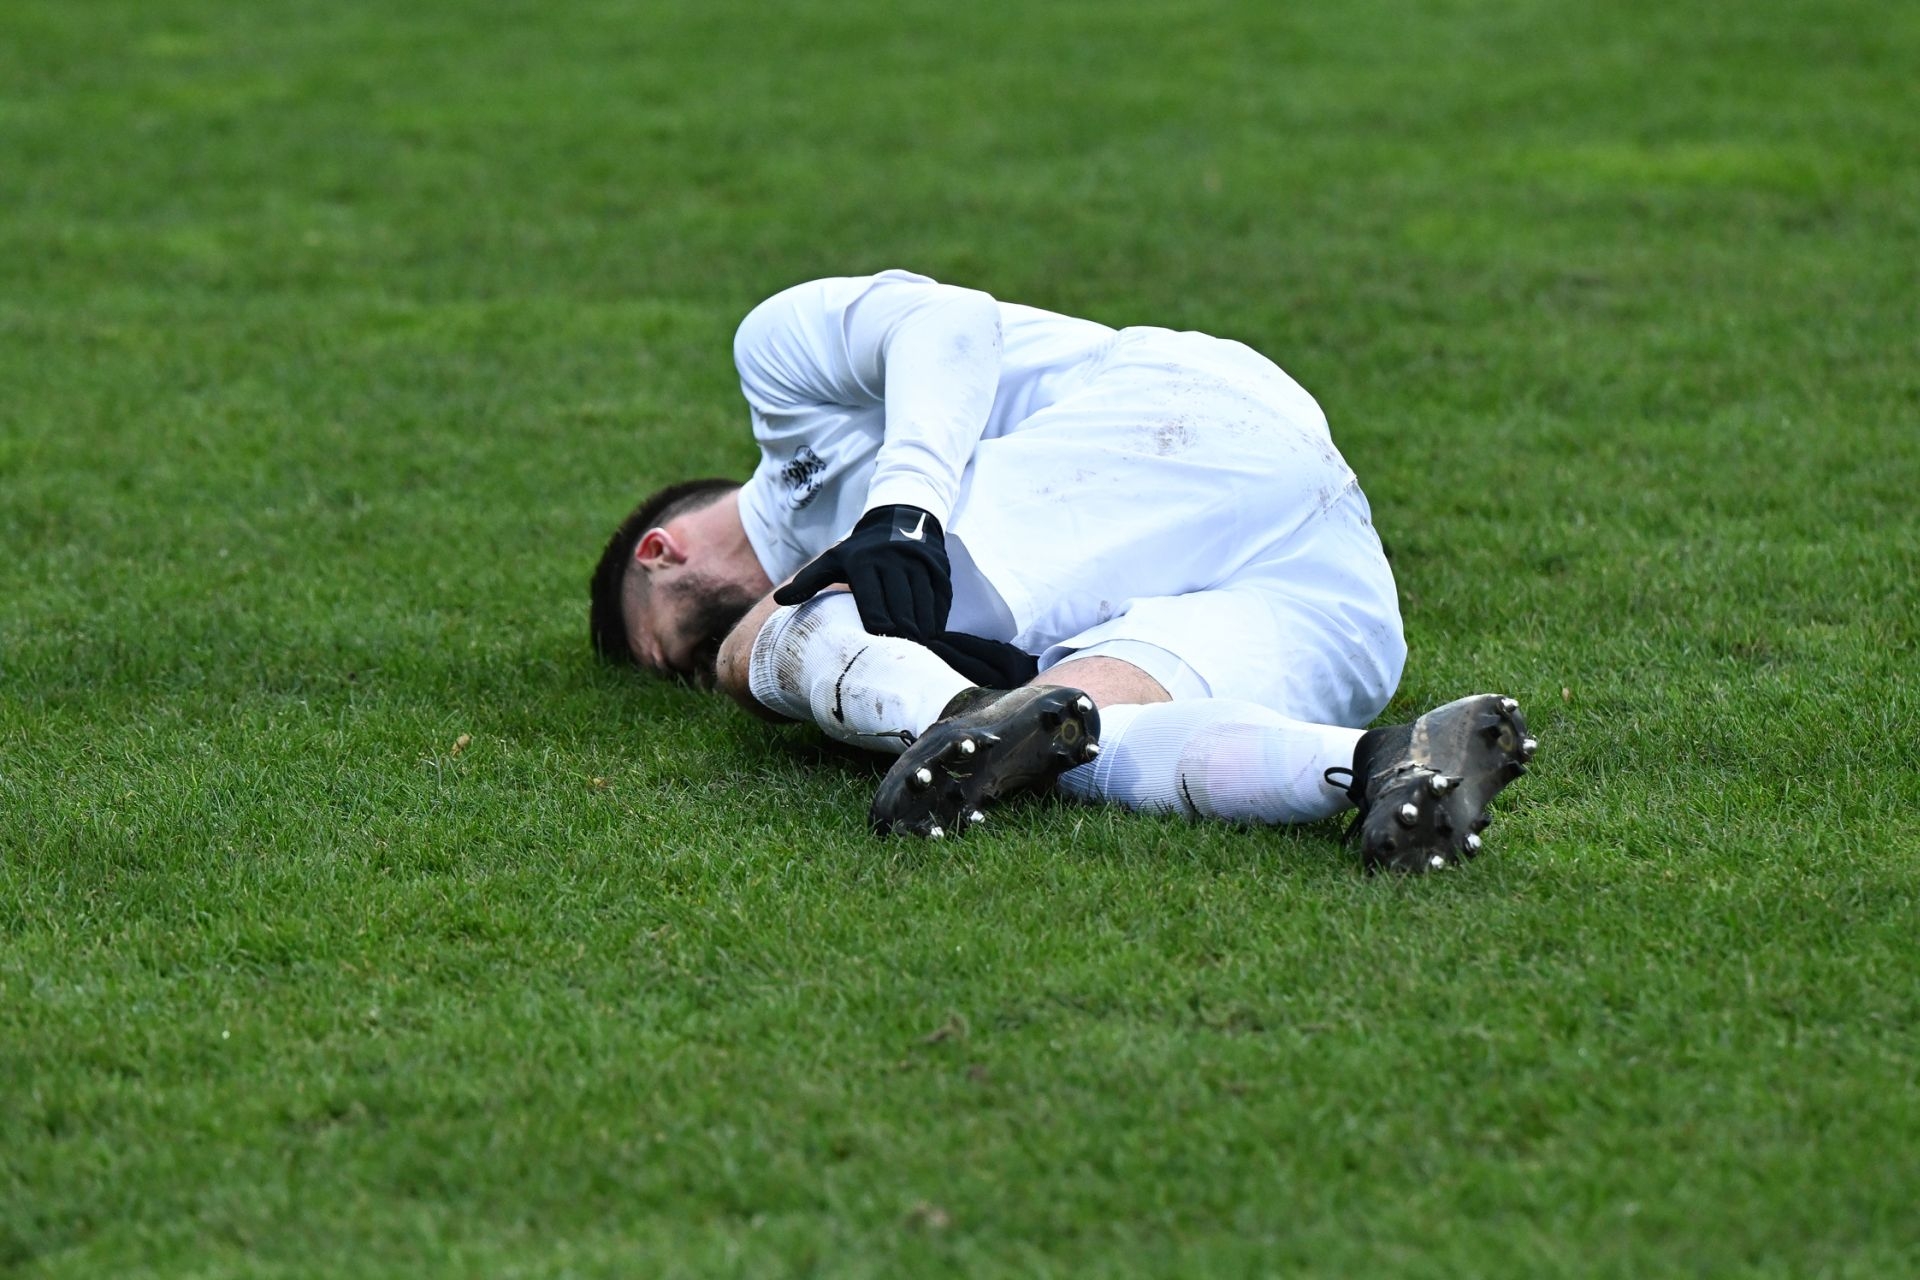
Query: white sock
(815, 662)
(1214, 758)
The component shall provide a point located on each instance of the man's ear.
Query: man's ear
(657, 549)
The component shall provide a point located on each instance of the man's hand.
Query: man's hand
(895, 561)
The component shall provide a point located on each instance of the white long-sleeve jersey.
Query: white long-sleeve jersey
(1075, 467)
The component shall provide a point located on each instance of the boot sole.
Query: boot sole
(1430, 812)
(1021, 741)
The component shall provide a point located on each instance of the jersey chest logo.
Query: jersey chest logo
(803, 477)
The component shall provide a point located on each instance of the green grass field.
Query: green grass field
(334, 338)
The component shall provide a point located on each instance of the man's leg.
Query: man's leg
(1199, 756)
(1251, 711)
(815, 662)
(1202, 757)
(1423, 788)
(1133, 742)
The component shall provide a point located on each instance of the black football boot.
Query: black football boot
(987, 745)
(1423, 788)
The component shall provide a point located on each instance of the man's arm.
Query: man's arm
(937, 350)
(930, 355)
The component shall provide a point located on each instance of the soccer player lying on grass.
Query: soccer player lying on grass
(1130, 564)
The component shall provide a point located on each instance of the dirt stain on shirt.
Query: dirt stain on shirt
(1172, 437)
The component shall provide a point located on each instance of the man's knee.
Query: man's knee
(1108, 681)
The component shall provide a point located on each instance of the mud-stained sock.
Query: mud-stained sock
(815, 662)
(1215, 758)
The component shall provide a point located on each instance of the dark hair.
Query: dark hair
(606, 620)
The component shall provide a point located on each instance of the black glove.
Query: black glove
(991, 664)
(896, 562)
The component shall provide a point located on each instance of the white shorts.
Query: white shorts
(1186, 495)
(1312, 631)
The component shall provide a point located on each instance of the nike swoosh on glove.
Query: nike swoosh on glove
(991, 664)
(895, 560)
